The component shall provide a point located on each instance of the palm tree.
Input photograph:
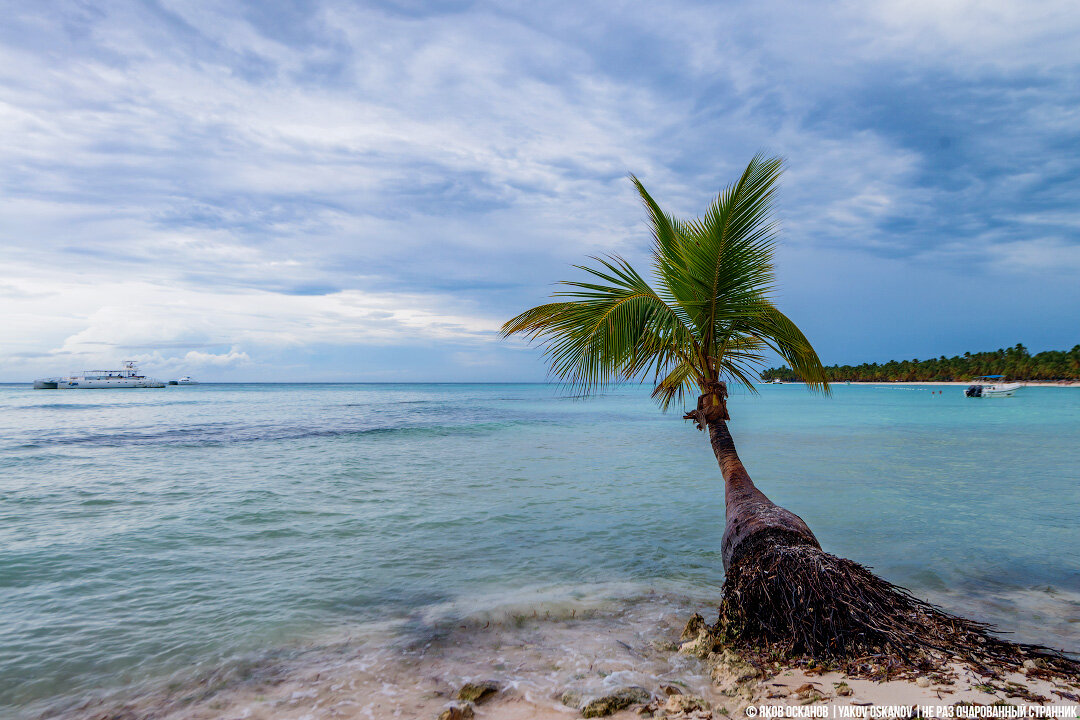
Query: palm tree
(708, 319)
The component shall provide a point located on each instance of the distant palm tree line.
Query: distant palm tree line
(1015, 363)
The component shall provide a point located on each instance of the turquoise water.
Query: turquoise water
(149, 532)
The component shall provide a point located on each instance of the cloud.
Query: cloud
(193, 361)
(143, 314)
(274, 174)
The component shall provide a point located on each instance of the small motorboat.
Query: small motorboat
(992, 387)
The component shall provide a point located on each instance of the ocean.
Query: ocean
(151, 539)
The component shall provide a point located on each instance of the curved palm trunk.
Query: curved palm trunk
(751, 516)
(782, 591)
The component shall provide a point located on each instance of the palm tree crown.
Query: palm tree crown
(707, 317)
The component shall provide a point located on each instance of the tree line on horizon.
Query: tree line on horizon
(1015, 363)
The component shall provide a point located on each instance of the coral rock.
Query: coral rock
(734, 676)
(572, 698)
(686, 704)
(693, 628)
(464, 712)
(478, 692)
(616, 701)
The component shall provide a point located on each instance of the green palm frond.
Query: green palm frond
(614, 328)
(707, 317)
(681, 380)
(782, 335)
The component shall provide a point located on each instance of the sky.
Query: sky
(277, 190)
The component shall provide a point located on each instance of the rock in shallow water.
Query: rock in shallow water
(694, 626)
(454, 712)
(616, 701)
(478, 692)
(685, 704)
(572, 698)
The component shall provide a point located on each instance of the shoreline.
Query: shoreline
(548, 660)
(960, 383)
(524, 675)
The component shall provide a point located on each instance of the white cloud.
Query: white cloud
(1045, 256)
(192, 361)
(973, 34)
(199, 359)
(142, 319)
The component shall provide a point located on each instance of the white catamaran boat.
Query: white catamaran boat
(992, 388)
(128, 377)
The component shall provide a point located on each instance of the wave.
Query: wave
(540, 641)
(536, 640)
(1044, 614)
(227, 434)
(95, 406)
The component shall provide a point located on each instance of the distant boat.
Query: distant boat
(127, 377)
(186, 380)
(992, 388)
